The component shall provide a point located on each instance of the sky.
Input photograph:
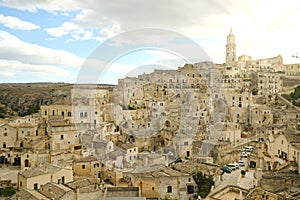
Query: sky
(51, 41)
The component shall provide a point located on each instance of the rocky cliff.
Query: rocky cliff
(18, 99)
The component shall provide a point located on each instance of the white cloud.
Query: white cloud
(14, 71)
(25, 62)
(65, 29)
(12, 48)
(33, 5)
(262, 28)
(76, 33)
(16, 23)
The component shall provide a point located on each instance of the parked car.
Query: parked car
(233, 166)
(241, 163)
(244, 154)
(248, 148)
(226, 169)
(237, 164)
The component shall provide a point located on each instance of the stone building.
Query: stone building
(64, 112)
(163, 183)
(292, 69)
(268, 82)
(34, 177)
(231, 49)
(63, 134)
(8, 135)
(283, 148)
(57, 191)
(87, 167)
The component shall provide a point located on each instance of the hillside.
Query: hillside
(17, 99)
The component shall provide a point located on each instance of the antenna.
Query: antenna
(295, 56)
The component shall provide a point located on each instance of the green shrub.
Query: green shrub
(204, 184)
(8, 191)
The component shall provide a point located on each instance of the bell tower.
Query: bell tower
(230, 49)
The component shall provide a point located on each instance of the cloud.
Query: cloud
(76, 33)
(16, 23)
(261, 30)
(12, 48)
(53, 6)
(15, 71)
(25, 62)
(65, 29)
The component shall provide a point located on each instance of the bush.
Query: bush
(8, 191)
(204, 184)
(254, 91)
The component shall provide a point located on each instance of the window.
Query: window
(21, 184)
(63, 180)
(96, 113)
(81, 114)
(85, 114)
(83, 166)
(63, 113)
(45, 112)
(169, 189)
(5, 134)
(69, 114)
(190, 189)
(96, 165)
(186, 143)
(61, 137)
(35, 186)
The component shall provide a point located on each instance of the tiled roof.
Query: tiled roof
(128, 146)
(25, 125)
(32, 172)
(85, 159)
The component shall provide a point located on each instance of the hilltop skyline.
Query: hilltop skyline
(48, 42)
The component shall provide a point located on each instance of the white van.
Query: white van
(241, 163)
(233, 166)
(248, 148)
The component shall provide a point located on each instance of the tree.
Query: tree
(295, 96)
(8, 191)
(204, 184)
(254, 91)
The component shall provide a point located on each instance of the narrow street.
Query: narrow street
(235, 179)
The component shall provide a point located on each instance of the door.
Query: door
(26, 163)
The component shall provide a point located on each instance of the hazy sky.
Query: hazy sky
(49, 40)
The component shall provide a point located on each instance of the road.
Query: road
(235, 178)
